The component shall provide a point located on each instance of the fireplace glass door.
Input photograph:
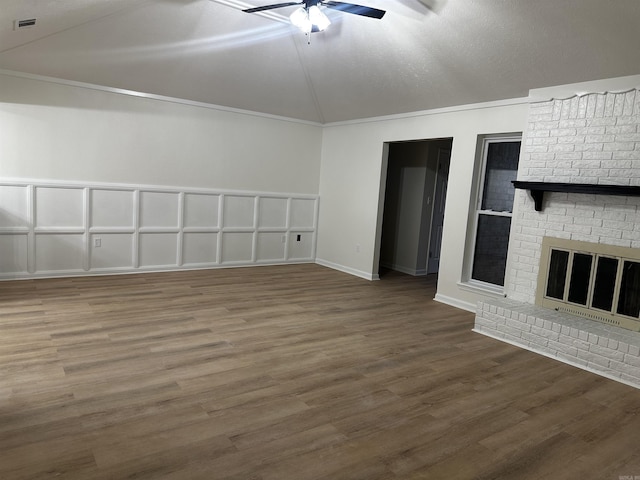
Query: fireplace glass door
(600, 284)
(629, 299)
(605, 283)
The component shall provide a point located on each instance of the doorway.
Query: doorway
(412, 195)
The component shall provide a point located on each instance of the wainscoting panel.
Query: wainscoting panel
(238, 211)
(59, 208)
(273, 213)
(115, 250)
(158, 249)
(16, 262)
(59, 251)
(199, 248)
(201, 211)
(302, 213)
(159, 209)
(112, 209)
(300, 245)
(271, 246)
(14, 207)
(237, 247)
(64, 229)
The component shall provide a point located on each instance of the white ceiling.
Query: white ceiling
(413, 59)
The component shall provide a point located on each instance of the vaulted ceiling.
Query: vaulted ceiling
(415, 58)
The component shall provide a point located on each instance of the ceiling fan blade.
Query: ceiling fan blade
(433, 5)
(271, 7)
(355, 9)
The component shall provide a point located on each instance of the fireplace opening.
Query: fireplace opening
(599, 282)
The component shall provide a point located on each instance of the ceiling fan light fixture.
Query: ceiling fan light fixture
(318, 19)
(309, 18)
(300, 18)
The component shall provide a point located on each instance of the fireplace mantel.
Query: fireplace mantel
(537, 189)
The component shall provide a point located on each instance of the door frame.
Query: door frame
(381, 200)
(438, 199)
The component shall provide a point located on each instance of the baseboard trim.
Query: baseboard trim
(349, 270)
(454, 302)
(141, 270)
(409, 271)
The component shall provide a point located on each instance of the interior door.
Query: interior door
(437, 222)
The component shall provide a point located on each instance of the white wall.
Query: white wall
(53, 131)
(82, 137)
(352, 156)
(161, 184)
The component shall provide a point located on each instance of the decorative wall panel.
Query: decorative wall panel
(271, 246)
(158, 209)
(302, 213)
(158, 249)
(57, 229)
(112, 208)
(199, 248)
(14, 206)
(237, 247)
(238, 211)
(59, 207)
(55, 252)
(14, 253)
(273, 213)
(201, 210)
(300, 245)
(115, 250)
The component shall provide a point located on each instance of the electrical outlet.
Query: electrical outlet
(97, 242)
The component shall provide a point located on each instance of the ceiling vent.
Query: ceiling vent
(19, 24)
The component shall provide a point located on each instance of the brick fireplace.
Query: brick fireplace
(591, 138)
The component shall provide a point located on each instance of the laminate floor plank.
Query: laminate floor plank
(287, 372)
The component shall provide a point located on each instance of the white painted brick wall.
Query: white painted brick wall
(593, 138)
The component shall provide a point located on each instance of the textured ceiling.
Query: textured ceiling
(413, 59)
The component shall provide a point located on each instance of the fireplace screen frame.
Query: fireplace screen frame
(586, 310)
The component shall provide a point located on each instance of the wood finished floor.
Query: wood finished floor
(288, 373)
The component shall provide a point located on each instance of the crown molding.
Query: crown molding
(604, 86)
(151, 96)
(436, 111)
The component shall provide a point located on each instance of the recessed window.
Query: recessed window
(494, 207)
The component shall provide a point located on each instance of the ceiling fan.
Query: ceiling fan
(309, 18)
